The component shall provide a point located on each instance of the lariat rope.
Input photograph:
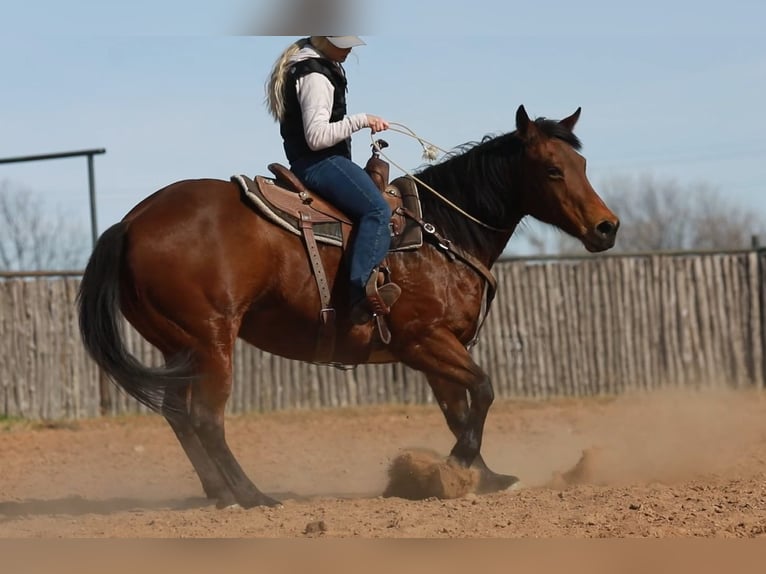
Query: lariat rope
(429, 154)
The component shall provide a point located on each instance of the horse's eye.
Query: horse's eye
(554, 173)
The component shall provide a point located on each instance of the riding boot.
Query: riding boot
(378, 300)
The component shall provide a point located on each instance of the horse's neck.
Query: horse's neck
(498, 206)
(501, 244)
(479, 239)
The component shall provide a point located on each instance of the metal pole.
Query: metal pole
(52, 155)
(92, 191)
(91, 177)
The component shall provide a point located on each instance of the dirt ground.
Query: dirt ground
(665, 465)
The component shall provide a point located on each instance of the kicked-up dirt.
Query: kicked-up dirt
(671, 464)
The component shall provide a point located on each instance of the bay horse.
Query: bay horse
(193, 267)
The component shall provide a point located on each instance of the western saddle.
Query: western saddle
(286, 201)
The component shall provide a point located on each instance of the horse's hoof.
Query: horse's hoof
(261, 500)
(506, 481)
(224, 500)
(270, 502)
(497, 482)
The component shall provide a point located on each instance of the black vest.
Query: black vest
(291, 126)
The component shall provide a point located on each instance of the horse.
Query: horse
(193, 267)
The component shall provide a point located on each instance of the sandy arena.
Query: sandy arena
(666, 465)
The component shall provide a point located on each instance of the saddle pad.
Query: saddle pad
(327, 230)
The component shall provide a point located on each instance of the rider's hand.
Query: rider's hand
(377, 124)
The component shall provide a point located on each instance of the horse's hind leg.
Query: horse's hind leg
(175, 409)
(208, 400)
(453, 401)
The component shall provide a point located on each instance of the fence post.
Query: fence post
(105, 400)
(761, 253)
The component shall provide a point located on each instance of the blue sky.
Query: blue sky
(670, 89)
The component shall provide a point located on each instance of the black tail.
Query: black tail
(101, 324)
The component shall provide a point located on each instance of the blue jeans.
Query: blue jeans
(348, 187)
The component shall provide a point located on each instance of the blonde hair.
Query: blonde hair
(275, 85)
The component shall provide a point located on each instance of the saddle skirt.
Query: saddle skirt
(285, 201)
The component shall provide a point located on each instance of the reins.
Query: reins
(429, 154)
(452, 251)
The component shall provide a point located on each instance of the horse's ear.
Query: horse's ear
(569, 123)
(522, 121)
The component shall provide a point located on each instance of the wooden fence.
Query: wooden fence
(567, 327)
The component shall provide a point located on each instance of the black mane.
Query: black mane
(554, 129)
(480, 177)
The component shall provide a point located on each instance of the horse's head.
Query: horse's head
(558, 191)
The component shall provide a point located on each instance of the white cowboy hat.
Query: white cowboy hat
(344, 42)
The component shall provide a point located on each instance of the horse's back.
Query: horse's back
(180, 197)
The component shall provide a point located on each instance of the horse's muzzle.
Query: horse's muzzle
(602, 236)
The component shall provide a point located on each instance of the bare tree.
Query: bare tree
(33, 238)
(658, 215)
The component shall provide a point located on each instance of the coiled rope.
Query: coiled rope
(429, 154)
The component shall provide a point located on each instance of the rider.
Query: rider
(306, 94)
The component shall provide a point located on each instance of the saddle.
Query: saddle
(287, 202)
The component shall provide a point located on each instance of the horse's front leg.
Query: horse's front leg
(442, 357)
(453, 401)
(468, 445)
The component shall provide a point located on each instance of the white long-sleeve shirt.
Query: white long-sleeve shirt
(316, 94)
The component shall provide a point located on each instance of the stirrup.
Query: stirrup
(378, 301)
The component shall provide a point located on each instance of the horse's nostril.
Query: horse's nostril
(607, 228)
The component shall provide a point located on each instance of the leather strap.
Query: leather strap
(453, 252)
(383, 330)
(326, 341)
(376, 303)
